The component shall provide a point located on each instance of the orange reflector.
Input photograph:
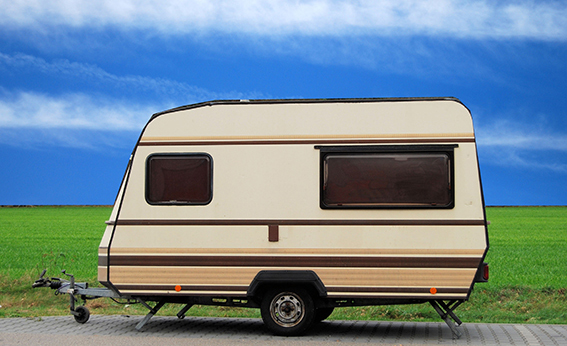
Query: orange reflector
(433, 290)
(178, 288)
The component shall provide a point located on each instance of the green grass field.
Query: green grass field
(528, 267)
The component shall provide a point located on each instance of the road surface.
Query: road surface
(171, 331)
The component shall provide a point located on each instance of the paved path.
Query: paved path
(170, 331)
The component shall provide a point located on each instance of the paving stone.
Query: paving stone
(242, 331)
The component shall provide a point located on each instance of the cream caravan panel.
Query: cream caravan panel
(326, 238)
(383, 237)
(266, 172)
(155, 237)
(313, 120)
(283, 182)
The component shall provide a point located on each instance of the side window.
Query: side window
(391, 179)
(179, 179)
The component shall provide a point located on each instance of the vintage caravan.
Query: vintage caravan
(298, 207)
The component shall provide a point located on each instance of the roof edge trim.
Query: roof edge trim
(304, 101)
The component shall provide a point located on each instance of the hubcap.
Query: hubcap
(286, 309)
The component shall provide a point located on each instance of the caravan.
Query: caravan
(298, 207)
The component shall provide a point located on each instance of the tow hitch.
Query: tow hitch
(75, 290)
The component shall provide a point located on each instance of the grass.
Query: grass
(55, 238)
(528, 247)
(528, 268)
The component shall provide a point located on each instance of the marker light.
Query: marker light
(178, 288)
(433, 290)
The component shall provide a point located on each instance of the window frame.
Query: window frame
(178, 155)
(447, 149)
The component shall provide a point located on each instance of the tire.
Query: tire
(287, 312)
(82, 315)
(323, 313)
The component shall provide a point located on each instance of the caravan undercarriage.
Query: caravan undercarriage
(280, 307)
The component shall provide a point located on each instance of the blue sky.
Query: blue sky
(79, 79)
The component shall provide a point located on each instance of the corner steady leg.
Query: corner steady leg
(446, 313)
(150, 314)
(181, 314)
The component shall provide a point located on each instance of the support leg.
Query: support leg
(446, 313)
(449, 308)
(72, 301)
(181, 313)
(150, 314)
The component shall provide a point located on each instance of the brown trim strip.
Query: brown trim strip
(396, 296)
(273, 233)
(308, 142)
(139, 222)
(330, 290)
(299, 251)
(102, 260)
(295, 261)
(213, 294)
(441, 290)
(183, 288)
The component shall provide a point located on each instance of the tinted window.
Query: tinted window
(386, 179)
(179, 179)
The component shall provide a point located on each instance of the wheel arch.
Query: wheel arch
(270, 278)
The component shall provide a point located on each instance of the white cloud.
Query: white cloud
(89, 72)
(171, 92)
(339, 18)
(36, 120)
(34, 110)
(526, 159)
(70, 111)
(88, 119)
(519, 135)
(517, 144)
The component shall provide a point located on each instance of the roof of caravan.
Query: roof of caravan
(303, 119)
(303, 101)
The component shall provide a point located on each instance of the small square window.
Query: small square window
(179, 179)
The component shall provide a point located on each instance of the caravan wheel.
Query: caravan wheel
(287, 312)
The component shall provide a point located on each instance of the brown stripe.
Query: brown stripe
(273, 233)
(299, 251)
(162, 222)
(442, 290)
(309, 142)
(396, 297)
(183, 288)
(190, 289)
(296, 261)
(102, 260)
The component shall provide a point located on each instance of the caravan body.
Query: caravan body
(363, 201)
